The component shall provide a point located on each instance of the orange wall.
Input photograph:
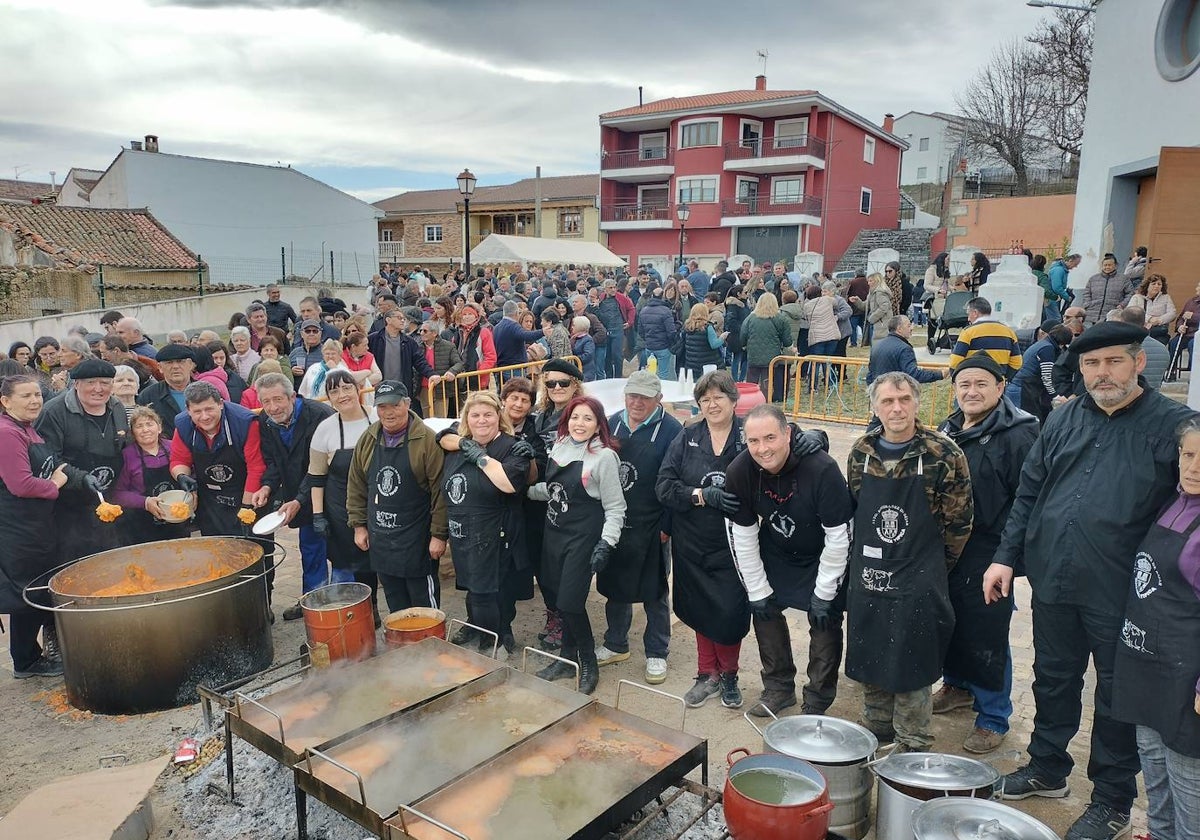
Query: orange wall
(1039, 221)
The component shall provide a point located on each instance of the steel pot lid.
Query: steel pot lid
(936, 771)
(820, 738)
(963, 818)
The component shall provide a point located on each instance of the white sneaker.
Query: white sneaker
(604, 656)
(656, 670)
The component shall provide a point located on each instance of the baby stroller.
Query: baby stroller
(953, 315)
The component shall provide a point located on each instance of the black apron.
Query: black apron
(708, 595)
(221, 482)
(1158, 655)
(343, 552)
(399, 514)
(637, 569)
(479, 523)
(574, 522)
(27, 531)
(138, 526)
(978, 648)
(792, 575)
(80, 531)
(899, 617)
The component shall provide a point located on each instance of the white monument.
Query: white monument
(1014, 293)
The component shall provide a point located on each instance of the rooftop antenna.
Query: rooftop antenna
(763, 54)
(18, 170)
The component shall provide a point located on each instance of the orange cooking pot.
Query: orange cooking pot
(775, 797)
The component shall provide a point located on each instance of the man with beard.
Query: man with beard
(1093, 483)
(788, 509)
(995, 436)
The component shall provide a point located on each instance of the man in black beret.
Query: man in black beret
(1105, 464)
(166, 398)
(86, 427)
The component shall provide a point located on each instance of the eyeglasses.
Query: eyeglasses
(559, 383)
(311, 330)
(1073, 318)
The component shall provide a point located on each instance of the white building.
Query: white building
(1139, 174)
(933, 140)
(250, 223)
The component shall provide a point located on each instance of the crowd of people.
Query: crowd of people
(903, 561)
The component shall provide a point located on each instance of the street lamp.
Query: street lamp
(1046, 4)
(466, 186)
(682, 211)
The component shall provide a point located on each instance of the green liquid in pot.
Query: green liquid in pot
(776, 787)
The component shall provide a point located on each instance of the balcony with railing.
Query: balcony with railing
(649, 163)
(765, 211)
(389, 251)
(788, 153)
(634, 216)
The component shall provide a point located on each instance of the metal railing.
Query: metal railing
(631, 158)
(834, 389)
(438, 400)
(635, 213)
(809, 205)
(767, 147)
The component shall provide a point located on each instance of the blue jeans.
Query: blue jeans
(737, 365)
(1172, 788)
(819, 369)
(314, 562)
(1051, 311)
(666, 365)
(856, 328)
(992, 708)
(601, 358)
(1187, 347)
(614, 359)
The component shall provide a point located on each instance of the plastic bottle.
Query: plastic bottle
(652, 364)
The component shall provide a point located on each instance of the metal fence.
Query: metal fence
(442, 399)
(295, 265)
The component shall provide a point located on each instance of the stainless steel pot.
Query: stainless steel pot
(841, 750)
(140, 628)
(954, 818)
(909, 779)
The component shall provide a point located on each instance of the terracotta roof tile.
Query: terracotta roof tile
(707, 100)
(554, 188)
(85, 236)
(11, 190)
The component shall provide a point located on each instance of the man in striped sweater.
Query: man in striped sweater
(987, 335)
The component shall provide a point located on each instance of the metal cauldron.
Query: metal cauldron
(140, 628)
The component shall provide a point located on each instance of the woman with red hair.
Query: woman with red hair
(584, 514)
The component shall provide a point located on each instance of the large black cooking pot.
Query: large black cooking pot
(141, 627)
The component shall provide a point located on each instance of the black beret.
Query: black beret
(1049, 324)
(1108, 334)
(175, 353)
(979, 360)
(562, 366)
(93, 369)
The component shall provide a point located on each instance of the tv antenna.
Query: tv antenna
(763, 54)
(18, 171)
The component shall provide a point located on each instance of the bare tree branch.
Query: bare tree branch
(1064, 42)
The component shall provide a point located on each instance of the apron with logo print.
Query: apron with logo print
(343, 552)
(138, 526)
(1158, 654)
(27, 527)
(478, 512)
(221, 476)
(898, 614)
(637, 570)
(574, 521)
(81, 533)
(398, 514)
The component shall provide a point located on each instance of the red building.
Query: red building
(766, 173)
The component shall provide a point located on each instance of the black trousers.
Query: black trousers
(577, 634)
(404, 592)
(23, 628)
(779, 668)
(1064, 637)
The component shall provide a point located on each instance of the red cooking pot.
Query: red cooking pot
(775, 797)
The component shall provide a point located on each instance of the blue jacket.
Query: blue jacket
(1059, 272)
(893, 353)
(239, 420)
(656, 324)
(510, 341)
(584, 347)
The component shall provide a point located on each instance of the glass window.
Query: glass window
(922, 171)
(791, 133)
(1177, 41)
(433, 233)
(864, 202)
(570, 222)
(654, 196)
(698, 134)
(653, 146)
(869, 149)
(787, 190)
(385, 235)
(697, 190)
(923, 144)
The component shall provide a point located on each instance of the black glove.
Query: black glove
(523, 449)
(822, 616)
(600, 555)
(186, 483)
(321, 524)
(765, 609)
(722, 500)
(810, 441)
(472, 452)
(92, 483)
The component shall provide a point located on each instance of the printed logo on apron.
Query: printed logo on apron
(162, 487)
(877, 580)
(716, 478)
(457, 491)
(104, 476)
(782, 524)
(891, 523)
(1146, 579)
(219, 473)
(456, 529)
(389, 481)
(1134, 637)
(557, 504)
(384, 519)
(629, 475)
(47, 468)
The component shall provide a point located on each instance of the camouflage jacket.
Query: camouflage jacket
(947, 481)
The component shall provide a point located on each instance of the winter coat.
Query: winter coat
(822, 321)
(735, 314)
(656, 324)
(765, 338)
(879, 305)
(1101, 295)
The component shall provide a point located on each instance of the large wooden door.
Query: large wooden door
(1175, 221)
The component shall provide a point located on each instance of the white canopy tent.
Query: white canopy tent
(498, 248)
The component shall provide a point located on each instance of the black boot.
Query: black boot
(50, 648)
(589, 670)
(558, 670)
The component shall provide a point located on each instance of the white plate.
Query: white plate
(269, 524)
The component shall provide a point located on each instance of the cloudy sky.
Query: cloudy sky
(380, 96)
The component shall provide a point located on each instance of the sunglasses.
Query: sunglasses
(559, 383)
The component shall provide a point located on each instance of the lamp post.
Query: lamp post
(466, 186)
(1046, 4)
(682, 211)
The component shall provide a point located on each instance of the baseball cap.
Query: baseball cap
(390, 392)
(643, 383)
